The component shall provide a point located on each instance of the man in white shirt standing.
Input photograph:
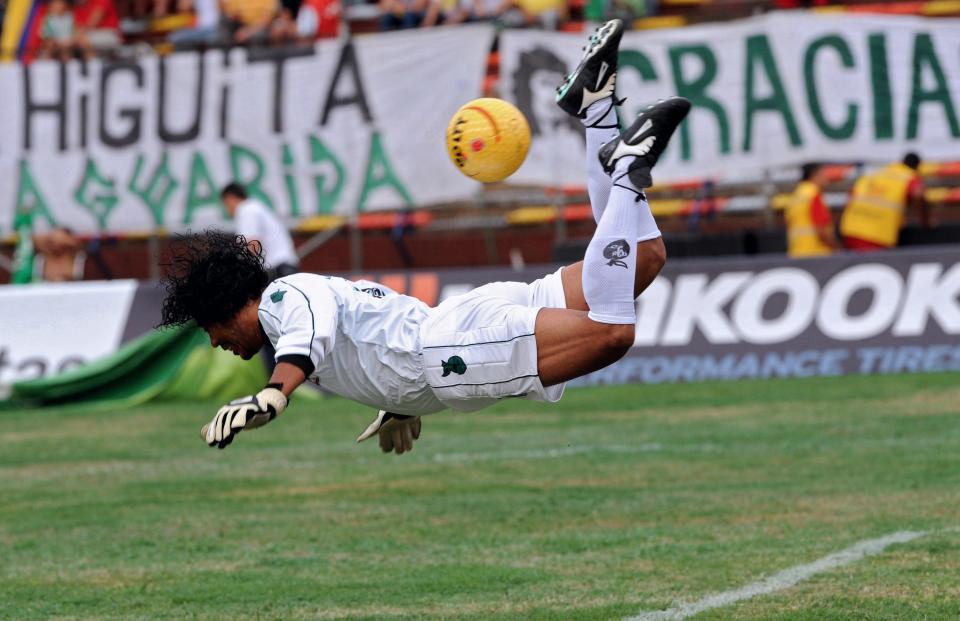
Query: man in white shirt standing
(258, 223)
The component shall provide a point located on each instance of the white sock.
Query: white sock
(610, 262)
(603, 115)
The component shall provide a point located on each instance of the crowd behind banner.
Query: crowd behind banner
(64, 29)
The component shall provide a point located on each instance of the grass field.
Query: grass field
(615, 502)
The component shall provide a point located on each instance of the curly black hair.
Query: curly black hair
(210, 277)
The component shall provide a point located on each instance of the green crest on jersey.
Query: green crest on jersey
(276, 296)
(454, 365)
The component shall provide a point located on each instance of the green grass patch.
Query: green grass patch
(615, 501)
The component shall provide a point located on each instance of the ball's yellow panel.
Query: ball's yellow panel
(488, 139)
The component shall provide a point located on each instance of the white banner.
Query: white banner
(49, 328)
(139, 146)
(771, 91)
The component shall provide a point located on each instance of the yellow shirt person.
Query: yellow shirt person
(878, 204)
(809, 223)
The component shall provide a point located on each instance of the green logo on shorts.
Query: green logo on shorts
(454, 365)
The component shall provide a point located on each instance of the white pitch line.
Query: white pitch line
(783, 580)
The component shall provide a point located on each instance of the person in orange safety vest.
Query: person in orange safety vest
(809, 224)
(878, 206)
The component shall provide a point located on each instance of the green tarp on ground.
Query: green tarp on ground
(170, 364)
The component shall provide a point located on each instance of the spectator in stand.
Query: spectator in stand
(399, 14)
(98, 25)
(58, 36)
(879, 203)
(799, 4)
(207, 29)
(627, 10)
(313, 19)
(447, 12)
(319, 19)
(248, 21)
(138, 9)
(809, 223)
(290, 7)
(284, 27)
(546, 14)
(59, 256)
(142, 10)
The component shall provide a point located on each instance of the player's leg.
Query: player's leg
(588, 94)
(571, 343)
(629, 158)
(493, 343)
(651, 257)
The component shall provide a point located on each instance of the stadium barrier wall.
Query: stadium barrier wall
(890, 312)
(772, 317)
(716, 319)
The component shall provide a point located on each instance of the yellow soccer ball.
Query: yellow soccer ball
(488, 139)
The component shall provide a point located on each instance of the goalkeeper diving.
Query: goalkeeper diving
(394, 353)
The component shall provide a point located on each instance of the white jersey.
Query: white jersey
(362, 339)
(254, 220)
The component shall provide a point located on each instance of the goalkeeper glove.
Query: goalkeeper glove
(244, 413)
(396, 432)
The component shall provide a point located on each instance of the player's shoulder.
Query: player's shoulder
(297, 288)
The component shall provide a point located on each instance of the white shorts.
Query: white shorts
(480, 347)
